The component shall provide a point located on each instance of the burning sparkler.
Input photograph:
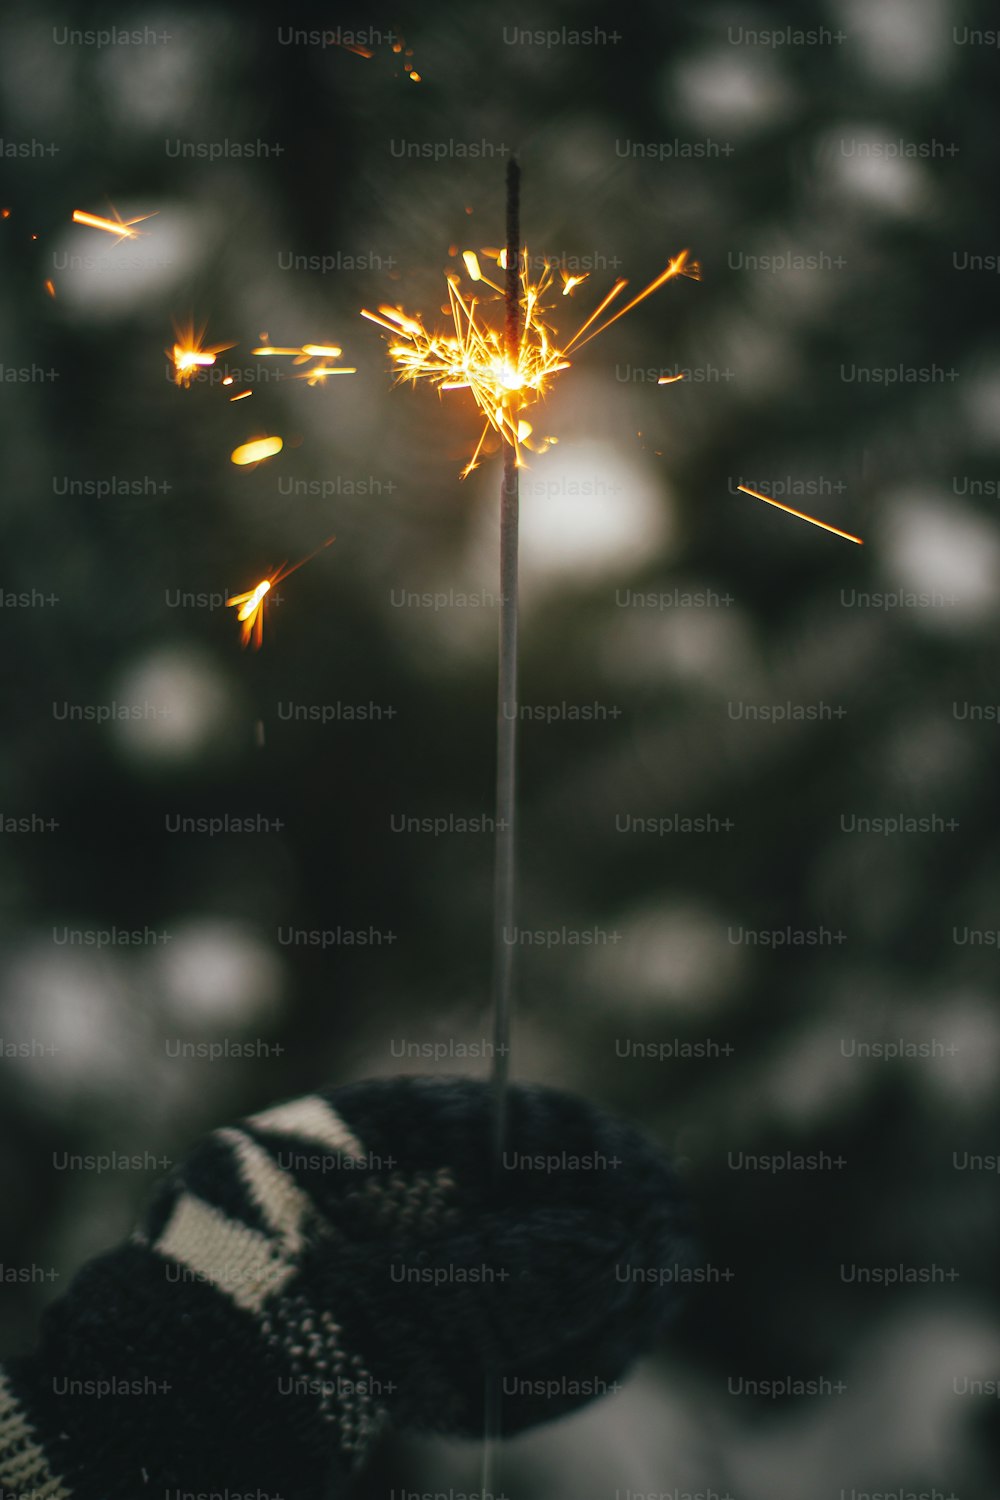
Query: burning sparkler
(506, 366)
(250, 606)
(502, 380)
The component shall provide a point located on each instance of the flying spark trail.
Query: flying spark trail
(316, 374)
(250, 606)
(123, 228)
(253, 452)
(189, 354)
(398, 46)
(801, 514)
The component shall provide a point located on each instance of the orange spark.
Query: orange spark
(677, 267)
(397, 47)
(316, 374)
(250, 606)
(255, 451)
(251, 613)
(473, 357)
(50, 288)
(570, 283)
(768, 500)
(241, 396)
(189, 353)
(123, 228)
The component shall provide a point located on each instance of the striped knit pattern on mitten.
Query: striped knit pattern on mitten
(192, 1357)
(330, 1262)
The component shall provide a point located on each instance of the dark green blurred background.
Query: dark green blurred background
(861, 370)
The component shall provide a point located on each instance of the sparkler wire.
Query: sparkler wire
(504, 871)
(505, 862)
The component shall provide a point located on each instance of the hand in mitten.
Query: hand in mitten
(335, 1263)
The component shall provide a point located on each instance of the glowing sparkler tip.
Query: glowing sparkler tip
(474, 354)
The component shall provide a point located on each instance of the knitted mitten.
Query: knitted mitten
(336, 1262)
